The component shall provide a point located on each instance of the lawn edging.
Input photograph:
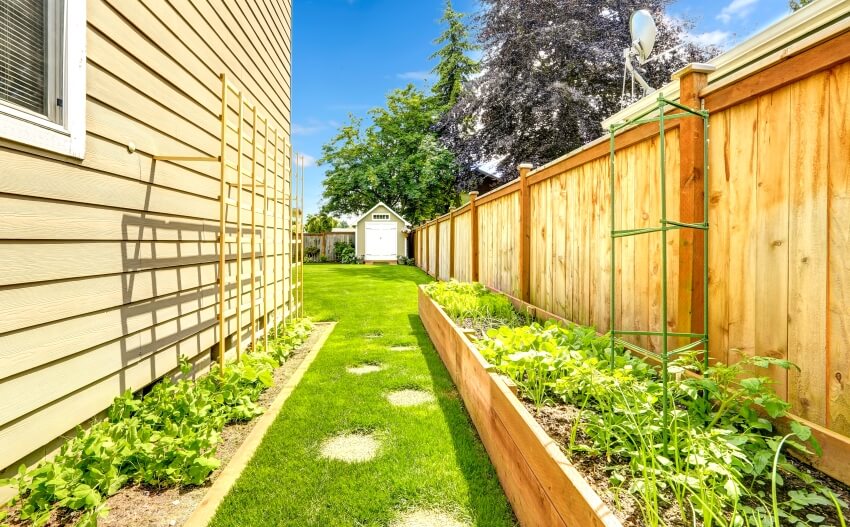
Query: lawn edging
(206, 509)
(543, 487)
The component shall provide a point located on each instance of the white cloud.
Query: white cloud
(717, 38)
(309, 161)
(416, 76)
(737, 9)
(307, 129)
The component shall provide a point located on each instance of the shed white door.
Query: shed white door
(381, 240)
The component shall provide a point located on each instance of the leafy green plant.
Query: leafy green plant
(344, 253)
(167, 437)
(311, 253)
(473, 305)
(719, 458)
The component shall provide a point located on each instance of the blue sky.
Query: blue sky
(348, 54)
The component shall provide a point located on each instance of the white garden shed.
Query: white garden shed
(380, 235)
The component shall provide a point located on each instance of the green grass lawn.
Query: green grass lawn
(430, 456)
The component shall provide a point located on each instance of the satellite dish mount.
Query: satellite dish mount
(643, 31)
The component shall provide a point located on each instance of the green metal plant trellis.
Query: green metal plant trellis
(698, 340)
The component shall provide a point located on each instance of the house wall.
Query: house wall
(401, 245)
(109, 265)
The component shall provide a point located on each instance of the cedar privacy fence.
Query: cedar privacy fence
(778, 155)
(326, 242)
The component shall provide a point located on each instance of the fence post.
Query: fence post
(451, 244)
(692, 78)
(427, 261)
(524, 233)
(437, 248)
(473, 229)
(324, 248)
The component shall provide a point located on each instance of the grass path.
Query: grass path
(430, 456)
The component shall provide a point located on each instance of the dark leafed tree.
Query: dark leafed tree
(552, 70)
(397, 159)
(454, 66)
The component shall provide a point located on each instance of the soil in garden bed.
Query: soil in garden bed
(146, 506)
(558, 422)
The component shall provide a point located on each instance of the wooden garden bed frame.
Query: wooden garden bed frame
(543, 487)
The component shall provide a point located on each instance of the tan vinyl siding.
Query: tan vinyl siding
(108, 265)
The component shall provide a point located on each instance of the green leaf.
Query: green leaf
(801, 431)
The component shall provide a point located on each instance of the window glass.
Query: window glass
(24, 54)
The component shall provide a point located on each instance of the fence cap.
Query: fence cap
(693, 67)
(527, 165)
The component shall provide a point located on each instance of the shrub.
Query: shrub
(311, 253)
(344, 253)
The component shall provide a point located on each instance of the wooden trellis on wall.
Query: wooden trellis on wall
(260, 202)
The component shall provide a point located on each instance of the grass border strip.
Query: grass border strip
(206, 509)
(541, 484)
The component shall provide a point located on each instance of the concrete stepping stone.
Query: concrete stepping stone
(404, 348)
(410, 397)
(363, 369)
(427, 518)
(351, 448)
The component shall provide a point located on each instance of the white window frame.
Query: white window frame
(68, 138)
(381, 216)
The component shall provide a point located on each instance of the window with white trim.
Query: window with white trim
(42, 74)
(380, 216)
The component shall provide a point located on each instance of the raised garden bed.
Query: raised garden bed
(721, 463)
(542, 485)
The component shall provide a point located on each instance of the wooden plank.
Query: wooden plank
(718, 217)
(498, 193)
(838, 372)
(743, 173)
(793, 69)
(473, 238)
(557, 188)
(524, 268)
(626, 197)
(646, 168)
(674, 238)
(771, 236)
(807, 290)
(598, 148)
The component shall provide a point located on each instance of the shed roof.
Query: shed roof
(397, 215)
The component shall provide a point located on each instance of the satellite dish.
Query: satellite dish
(643, 31)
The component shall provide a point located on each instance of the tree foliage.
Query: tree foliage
(552, 70)
(454, 66)
(396, 159)
(319, 223)
(797, 4)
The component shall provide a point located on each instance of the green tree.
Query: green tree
(397, 159)
(319, 223)
(455, 67)
(797, 4)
